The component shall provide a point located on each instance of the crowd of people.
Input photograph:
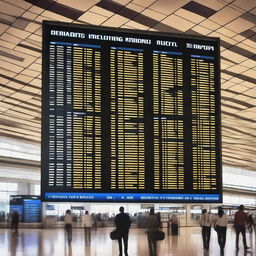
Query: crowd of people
(219, 222)
(122, 222)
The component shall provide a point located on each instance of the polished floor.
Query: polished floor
(50, 242)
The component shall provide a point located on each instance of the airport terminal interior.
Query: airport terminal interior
(33, 179)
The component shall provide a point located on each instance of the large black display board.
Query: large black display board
(129, 116)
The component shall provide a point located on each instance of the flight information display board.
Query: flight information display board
(28, 207)
(130, 116)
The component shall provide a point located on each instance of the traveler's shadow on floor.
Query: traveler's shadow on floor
(174, 240)
(87, 249)
(206, 253)
(68, 250)
(14, 239)
(246, 253)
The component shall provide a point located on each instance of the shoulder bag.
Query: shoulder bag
(114, 235)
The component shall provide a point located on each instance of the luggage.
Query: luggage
(174, 228)
(114, 235)
(160, 235)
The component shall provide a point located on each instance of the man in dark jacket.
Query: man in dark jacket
(153, 225)
(15, 222)
(240, 224)
(122, 223)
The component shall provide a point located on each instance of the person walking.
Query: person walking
(240, 222)
(122, 223)
(152, 227)
(220, 225)
(174, 225)
(68, 225)
(206, 223)
(250, 223)
(87, 223)
(15, 219)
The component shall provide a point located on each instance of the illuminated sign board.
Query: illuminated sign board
(129, 116)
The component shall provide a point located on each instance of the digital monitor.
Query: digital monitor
(130, 116)
(28, 207)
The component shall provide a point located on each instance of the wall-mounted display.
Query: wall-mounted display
(130, 116)
(28, 207)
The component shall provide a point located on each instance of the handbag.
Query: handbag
(160, 235)
(114, 235)
(216, 228)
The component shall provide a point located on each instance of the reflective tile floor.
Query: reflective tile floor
(50, 242)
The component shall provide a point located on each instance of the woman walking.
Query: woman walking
(250, 223)
(220, 226)
(87, 223)
(68, 225)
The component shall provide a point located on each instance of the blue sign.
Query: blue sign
(131, 197)
(32, 210)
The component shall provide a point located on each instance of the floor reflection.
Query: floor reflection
(13, 244)
(87, 249)
(50, 242)
(68, 249)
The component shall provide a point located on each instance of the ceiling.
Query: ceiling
(233, 21)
